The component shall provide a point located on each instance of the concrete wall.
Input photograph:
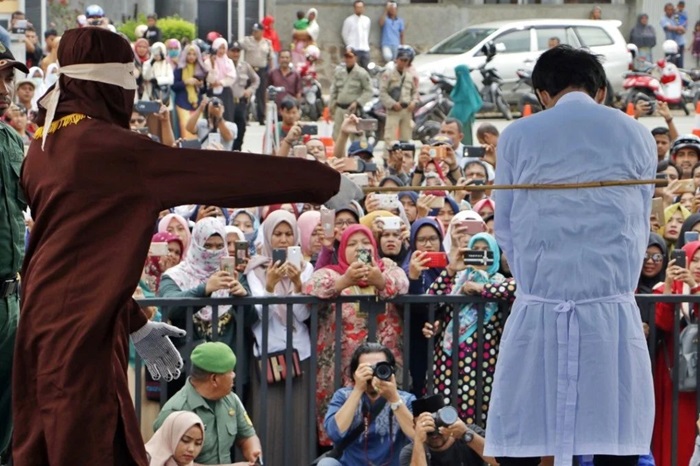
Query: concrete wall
(426, 24)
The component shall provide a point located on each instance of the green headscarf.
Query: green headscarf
(465, 96)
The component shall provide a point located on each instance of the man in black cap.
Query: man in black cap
(436, 444)
(258, 52)
(247, 82)
(12, 204)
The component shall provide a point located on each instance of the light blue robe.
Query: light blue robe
(573, 375)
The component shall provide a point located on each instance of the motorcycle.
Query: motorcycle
(529, 97)
(691, 86)
(491, 92)
(433, 108)
(661, 81)
(311, 104)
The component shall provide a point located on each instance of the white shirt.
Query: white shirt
(277, 332)
(356, 32)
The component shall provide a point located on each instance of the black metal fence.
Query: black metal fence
(410, 307)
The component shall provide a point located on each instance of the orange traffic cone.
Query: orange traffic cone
(696, 125)
(326, 114)
(630, 109)
(527, 110)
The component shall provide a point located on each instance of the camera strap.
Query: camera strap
(355, 433)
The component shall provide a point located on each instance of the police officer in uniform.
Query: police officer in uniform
(350, 91)
(398, 92)
(258, 52)
(247, 82)
(12, 204)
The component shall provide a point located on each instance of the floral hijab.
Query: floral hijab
(201, 263)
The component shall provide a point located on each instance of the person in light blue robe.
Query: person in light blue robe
(573, 375)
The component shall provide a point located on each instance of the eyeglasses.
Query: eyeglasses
(137, 120)
(344, 223)
(427, 239)
(654, 257)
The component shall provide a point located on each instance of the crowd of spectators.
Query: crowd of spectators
(389, 244)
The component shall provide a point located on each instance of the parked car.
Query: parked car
(520, 43)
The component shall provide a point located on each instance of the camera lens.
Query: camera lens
(383, 371)
(446, 416)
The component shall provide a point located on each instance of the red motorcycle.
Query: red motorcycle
(661, 82)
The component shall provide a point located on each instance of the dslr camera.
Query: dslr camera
(215, 102)
(445, 417)
(383, 371)
(272, 91)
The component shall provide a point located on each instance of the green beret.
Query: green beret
(214, 357)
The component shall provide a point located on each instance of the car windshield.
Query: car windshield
(462, 41)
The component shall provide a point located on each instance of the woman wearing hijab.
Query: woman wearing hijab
(446, 212)
(189, 86)
(426, 236)
(344, 218)
(200, 276)
(174, 48)
(157, 265)
(678, 281)
(692, 223)
(351, 276)
(249, 225)
(311, 232)
(178, 441)
(141, 56)
(457, 235)
(643, 36)
(313, 29)
(268, 278)
(467, 101)
(270, 33)
(675, 215)
(392, 243)
(178, 226)
(158, 75)
(655, 263)
(485, 207)
(409, 200)
(468, 280)
(222, 76)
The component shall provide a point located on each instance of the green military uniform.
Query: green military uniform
(12, 228)
(347, 88)
(402, 88)
(225, 421)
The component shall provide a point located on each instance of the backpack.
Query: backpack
(688, 358)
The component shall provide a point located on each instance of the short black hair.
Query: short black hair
(300, 14)
(486, 128)
(563, 66)
(199, 374)
(479, 163)
(17, 13)
(289, 103)
(454, 121)
(357, 1)
(675, 167)
(367, 348)
(50, 32)
(152, 16)
(285, 51)
(661, 131)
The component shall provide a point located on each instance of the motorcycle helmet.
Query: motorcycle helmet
(203, 46)
(489, 49)
(140, 31)
(670, 47)
(313, 53)
(94, 11)
(686, 141)
(405, 51)
(212, 36)
(631, 48)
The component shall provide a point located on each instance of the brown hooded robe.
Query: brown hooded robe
(96, 191)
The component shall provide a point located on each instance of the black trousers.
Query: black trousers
(240, 118)
(362, 58)
(260, 94)
(598, 460)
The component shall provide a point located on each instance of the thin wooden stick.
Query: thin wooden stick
(591, 184)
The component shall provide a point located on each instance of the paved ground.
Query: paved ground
(254, 134)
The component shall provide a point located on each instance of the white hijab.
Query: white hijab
(163, 444)
(459, 217)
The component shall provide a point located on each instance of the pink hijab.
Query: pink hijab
(223, 64)
(308, 221)
(484, 203)
(165, 223)
(163, 444)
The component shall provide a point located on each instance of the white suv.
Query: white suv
(519, 44)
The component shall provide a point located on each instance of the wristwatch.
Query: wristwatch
(394, 406)
(468, 436)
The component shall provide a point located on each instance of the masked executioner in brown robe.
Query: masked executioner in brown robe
(96, 190)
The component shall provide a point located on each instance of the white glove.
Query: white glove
(158, 352)
(347, 193)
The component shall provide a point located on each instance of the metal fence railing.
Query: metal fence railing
(410, 307)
